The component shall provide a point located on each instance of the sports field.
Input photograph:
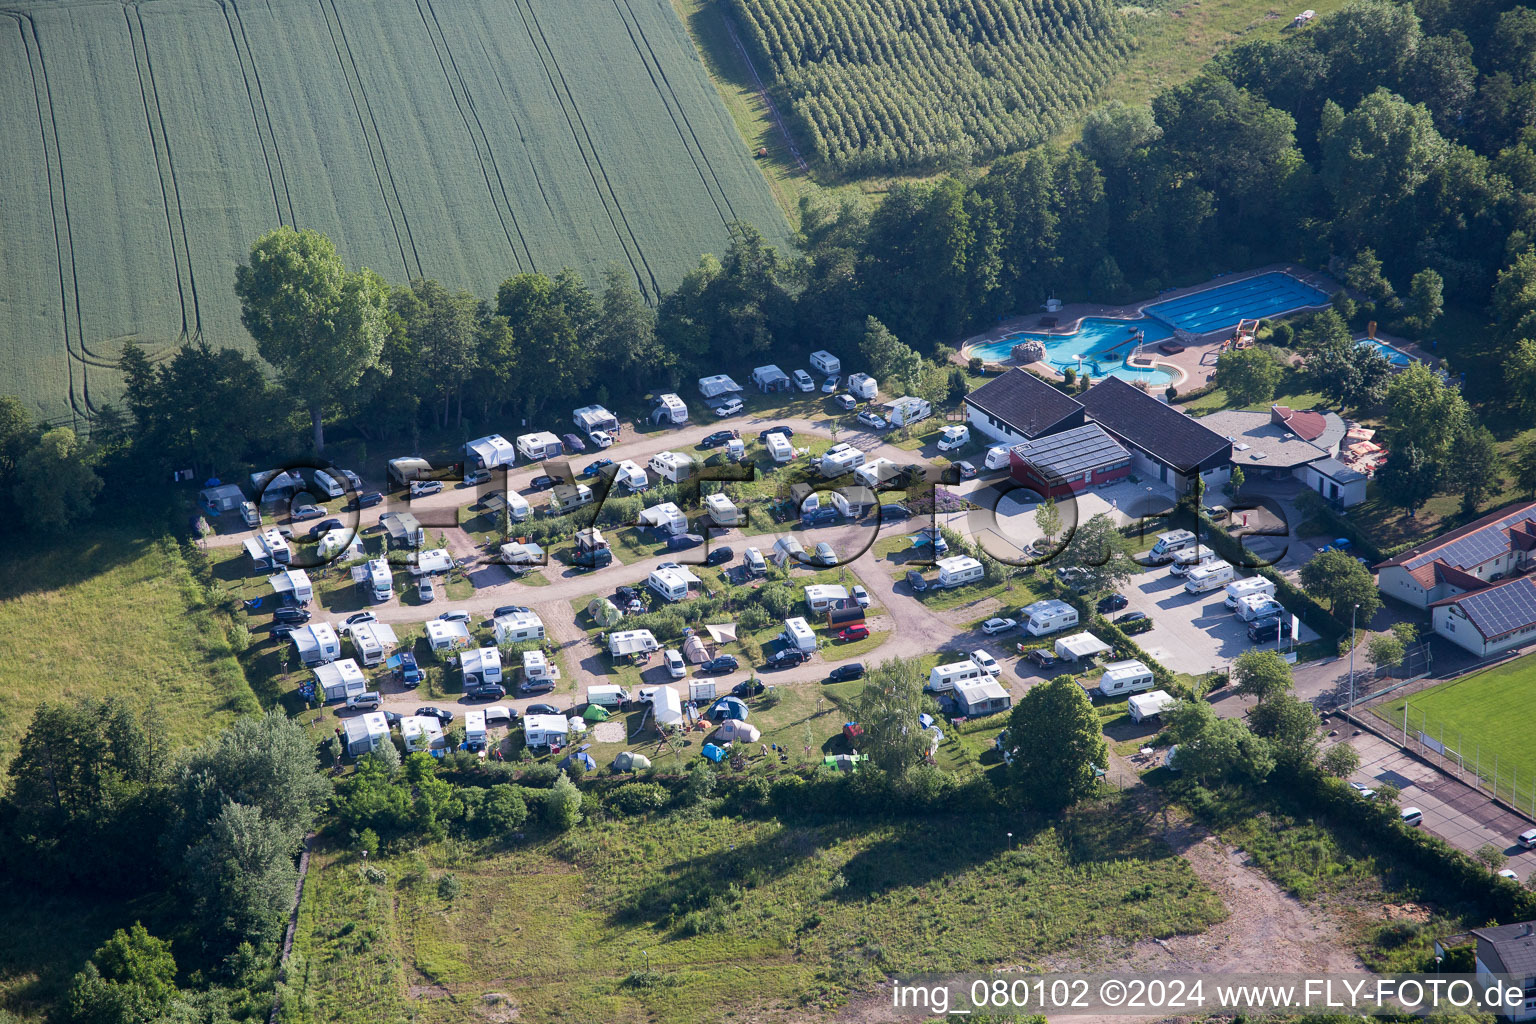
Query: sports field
(1485, 717)
(148, 145)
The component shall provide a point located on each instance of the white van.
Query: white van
(944, 677)
(1208, 577)
(676, 667)
(1048, 616)
(1191, 558)
(1239, 589)
(999, 456)
(757, 565)
(328, 485)
(1168, 544)
(380, 579)
(1123, 678)
(954, 437)
(1258, 606)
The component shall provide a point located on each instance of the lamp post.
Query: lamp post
(1010, 842)
(1352, 616)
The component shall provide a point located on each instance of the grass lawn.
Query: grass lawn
(1483, 717)
(667, 919)
(1292, 391)
(112, 611)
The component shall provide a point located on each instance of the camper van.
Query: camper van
(1048, 616)
(1191, 558)
(904, 411)
(841, 459)
(954, 438)
(797, 634)
(328, 485)
(958, 571)
(1150, 705)
(1258, 606)
(518, 509)
(631, 476)
(1121, 679)
(944, 677)
(250, 515)
(1253, 585)
(608, 696)
(756, 564)
(779, 448)
(1208, 577)
(380, 580)
(1170, 543)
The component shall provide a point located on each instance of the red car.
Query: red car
(859, 632)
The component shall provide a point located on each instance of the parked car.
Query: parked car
(830, 385)
(593, 468)
(1412, 816)
(425, 591)
(895, 512)
(324, 525)
(290, 616)
(359, 618)
(542, 482)
(762, 437)
(843, 673)
(729, 408)
(872, 419)
(683, 541)
(787, 657)
(541, 709)
(1276, 627)
(1527, 839)
(422, 488)
(368, 701)
(477, 476)
(915, 581)
(992, 627)
(573, 444)
(825, 555)
(747, 688)
(860, 596)
(720, 556)
(803, 381)
(370, 499)
(393, 719)
(280, 632)
(986, 663)
(456, 615)
(438, 713)
(967, 471)
(602, 438)
(1366, 792)
(304, 512)
(1513, 876)
(486, 691)
(1129, 621)
(1112, 603)
(719, 665)
(718, 438)
(846, 402)
(858, 632)
(508, 609)
(1045, 659)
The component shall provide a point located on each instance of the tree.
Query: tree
(1113, 133)
(892, 363)
(562, 805)
(1290, 725)
(56, 482)
(319, 325)
(887, 709)
(1408, 478)
(1059, 745)
(1248, 376)
(1514, 297)
(1491, 857)
(1093, 549)
(1426, 301)
(1473, 467)
(241, 876)
(1048, 519)
(16, 436)
(1425, 411)
(552, 321)
(1235, 482)
(1520, 376)
(1384, 650)
(1525, 468)
(1375, 158)
(1340, 760)
(1262, 675)
(1364, 275)
(445, 328)
(205, 408)
(1336, 577)
(130, 979)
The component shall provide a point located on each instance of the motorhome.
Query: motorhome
(798, 635)
(250, 515)
(722, 510)
(954, 438)
(862, 386)
(825, 363)
(381, 582)
(841, 459)
(1253, 585)
(1121, 679)
(1258, 606)
(1192, 558)
(958, 570)
(539, 445)
(1208, 577)
(1048, 616)
(1170, 543)
(756, 564)
(673, 467)
(906, 410)
(944, 677)
(779, 448)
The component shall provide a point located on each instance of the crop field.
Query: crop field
(149, 144)
(913, 86)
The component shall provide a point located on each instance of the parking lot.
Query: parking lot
(1190, 633)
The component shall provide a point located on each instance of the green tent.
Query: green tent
(595, 713)
(604, 612)
(630, 762)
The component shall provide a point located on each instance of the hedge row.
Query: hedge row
(1099, 626)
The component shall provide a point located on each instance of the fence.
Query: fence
(1457, 754)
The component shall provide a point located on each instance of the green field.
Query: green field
(150, 144)
(114, 613)
(691, 917)
(1483, 717)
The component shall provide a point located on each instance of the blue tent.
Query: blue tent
(729, 707)
(714, 753)
(925, 720)
(585, 760)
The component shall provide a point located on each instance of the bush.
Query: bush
(449, 887)
(638, 798)
(562, 807)
(541, 774)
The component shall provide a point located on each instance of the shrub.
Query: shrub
(638, 798)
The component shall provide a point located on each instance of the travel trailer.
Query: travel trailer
(958, 571)
(1048, 616)
(944, 677)
(1121, 679)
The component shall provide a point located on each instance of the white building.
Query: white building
(489, 452)
(1491, 621)
(316, 643)
(1474, 557)
(338, 680)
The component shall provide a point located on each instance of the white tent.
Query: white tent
(722, 634)
(489, 452)
(719, 384)
(732, 730)
(1080, 645)
(666, 705)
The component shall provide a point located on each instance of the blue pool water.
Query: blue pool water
(1103, 343)
(1395, 356)
(1226, 304)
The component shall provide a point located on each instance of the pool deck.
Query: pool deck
(1192, 368)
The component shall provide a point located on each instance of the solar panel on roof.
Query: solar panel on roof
(1073, 451)
(1475, 548)
(1502, 609)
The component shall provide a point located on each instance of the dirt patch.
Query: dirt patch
(429, 991)
(608, 732)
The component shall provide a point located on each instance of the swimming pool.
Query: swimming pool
(1395, 356)
(1103, 343)
(1223, 306)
